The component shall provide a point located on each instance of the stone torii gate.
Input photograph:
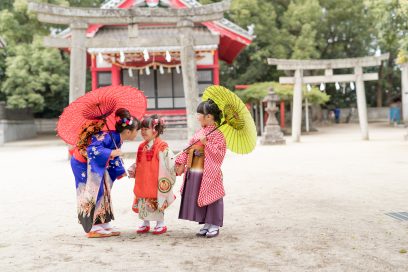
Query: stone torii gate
(78, 19)
(328, 65)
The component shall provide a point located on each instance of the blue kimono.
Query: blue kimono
(94, 180)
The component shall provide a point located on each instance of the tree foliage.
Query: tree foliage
(31, 75)
(257, 92)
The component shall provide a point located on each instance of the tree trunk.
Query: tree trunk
(390, 76)
(379, 90)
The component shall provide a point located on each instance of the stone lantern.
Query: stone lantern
(272, 133)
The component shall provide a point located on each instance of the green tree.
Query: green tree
(36, 75)
(257, 92)
(31, 75)
(251, 66)
(301, 21)
(391, 26)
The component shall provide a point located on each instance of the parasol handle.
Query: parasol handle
(114, 142)
(187, 148)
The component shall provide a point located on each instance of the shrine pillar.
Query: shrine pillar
(189, 68)
(77, 69)
(297, 106)
(361, 102)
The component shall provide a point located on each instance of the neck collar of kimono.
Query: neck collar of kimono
(150, 144)
(210, 126)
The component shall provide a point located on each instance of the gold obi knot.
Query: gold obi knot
(195, 159)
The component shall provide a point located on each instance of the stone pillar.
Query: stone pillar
(404, 91)
(297, 107)
(77, 79)
(361, 102)
(189, 73)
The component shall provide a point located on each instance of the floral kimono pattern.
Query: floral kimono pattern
(152, 208)
(94, 180)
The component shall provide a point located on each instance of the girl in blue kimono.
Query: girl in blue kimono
(96, 164)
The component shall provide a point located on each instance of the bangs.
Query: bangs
(200, 108)
(146, 123)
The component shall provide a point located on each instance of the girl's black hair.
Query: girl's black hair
(154, 122)
(124, 120)
(209, 107)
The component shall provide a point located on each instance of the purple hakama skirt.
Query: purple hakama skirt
(189, 210)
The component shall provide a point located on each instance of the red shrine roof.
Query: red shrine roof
(233, 39)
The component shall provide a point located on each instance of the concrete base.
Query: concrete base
(272, 136)
(11, 130)
(46, 125)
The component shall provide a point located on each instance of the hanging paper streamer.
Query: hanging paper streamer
(168, 56)
(161, 69)
(145, 54)
(100, 57)
(147, 70)
(130, 72)
(309, 88)
(122, 57)
(322, 87)
(337, 86)
(352, 87)
(178, 69)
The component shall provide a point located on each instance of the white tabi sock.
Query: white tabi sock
(146, 223)
(106, 225)
(206, 226)
(159, 224)
(213, 228)
(99, 229)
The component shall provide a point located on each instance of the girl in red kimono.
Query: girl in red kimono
(203, 190)
(154, 176)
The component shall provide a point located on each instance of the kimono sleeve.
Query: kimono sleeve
(182, 158)
(215, 148)
(167, 178)
(98, 151)
(116, 169)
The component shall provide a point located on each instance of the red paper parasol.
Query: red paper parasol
(97, 105)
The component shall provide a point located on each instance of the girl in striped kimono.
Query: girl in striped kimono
(203, 190)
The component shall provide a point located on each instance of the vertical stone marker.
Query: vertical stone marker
(272, 134)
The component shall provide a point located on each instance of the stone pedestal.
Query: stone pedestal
(272, 134)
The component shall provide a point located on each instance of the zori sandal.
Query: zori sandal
(212, 234)
(114, 231)
(100, 233)
(160, 230)
(143, 229)
(202, 232)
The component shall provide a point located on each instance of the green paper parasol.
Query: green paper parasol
(237, 123)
